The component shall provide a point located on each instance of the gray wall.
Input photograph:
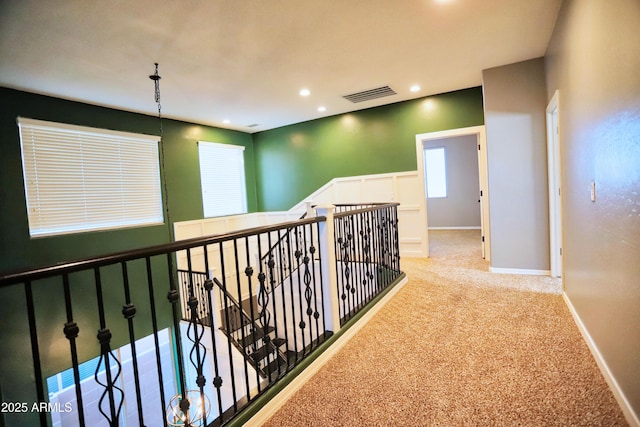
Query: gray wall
(593, 59)
(460, 208)
(515, 102)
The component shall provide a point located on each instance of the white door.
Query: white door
(555, 189)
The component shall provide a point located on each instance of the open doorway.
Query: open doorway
(440, 139)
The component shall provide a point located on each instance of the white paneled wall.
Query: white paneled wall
(401, 187)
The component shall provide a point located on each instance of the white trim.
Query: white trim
(519, 271)
(88, 129)
(225, 146)
(402, 187)
(480, 133)
(473, 227)
(627, 409)
(555, 184)
(296, 384)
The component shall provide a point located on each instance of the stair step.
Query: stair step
(253, 337)
(261, 353)
(272, 368)
(278, 341)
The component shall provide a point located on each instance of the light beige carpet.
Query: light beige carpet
(458, 345)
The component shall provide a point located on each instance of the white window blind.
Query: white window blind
(81, 179)
(435, 172)
(222, 179)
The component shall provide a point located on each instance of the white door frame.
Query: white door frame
(479, 132)
(555, 196)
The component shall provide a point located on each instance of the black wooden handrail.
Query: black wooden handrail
(129, 255)
(370, 207)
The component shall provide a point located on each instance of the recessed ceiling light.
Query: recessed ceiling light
(226, 121)
(415, 88)
(305, 92)
(322, 109)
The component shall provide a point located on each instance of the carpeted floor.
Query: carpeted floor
(458, 345)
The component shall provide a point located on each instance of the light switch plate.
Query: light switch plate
(593, 191)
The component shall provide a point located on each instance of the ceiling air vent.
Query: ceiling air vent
(253, 125)
(370, 94)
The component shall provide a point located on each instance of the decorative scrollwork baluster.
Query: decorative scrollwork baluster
(308, 294)
(111, 390)
(198, 353)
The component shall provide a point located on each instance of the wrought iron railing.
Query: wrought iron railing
(367, 253)
(285, 254)
(228, 329)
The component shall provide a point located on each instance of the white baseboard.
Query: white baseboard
(296, 384)
(455, 228)
(520, 271)
(629, 414)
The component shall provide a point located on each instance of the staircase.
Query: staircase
(266, 352)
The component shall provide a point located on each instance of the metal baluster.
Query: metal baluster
(35, 349)
(298, 254)
(359, 237)
(346, 262)
(353, 267)
(71, 331)
(106, 356)
(293, 309)
(339, 266)
(129, 312)
(217, 380)
(242, 317)
(385, 245)
(272, 285)
(154, 323)
(173, 297)
(248, 271)
(366, 248)
(312, 250)
(396, 238)
(264, 316)
(196, 338)
(308, 293)
(378, 252)
(347, 266)
(279, 274)
(228, 325)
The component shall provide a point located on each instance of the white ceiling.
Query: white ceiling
(246, 60)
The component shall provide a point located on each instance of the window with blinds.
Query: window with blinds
(82, 179)
(222, 179)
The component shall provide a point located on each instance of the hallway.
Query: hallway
(458, 345)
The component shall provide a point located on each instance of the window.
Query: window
(222, 179)
(80, 179)
(435, 172)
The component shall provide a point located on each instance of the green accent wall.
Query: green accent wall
(294, 161)
(20, 252)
